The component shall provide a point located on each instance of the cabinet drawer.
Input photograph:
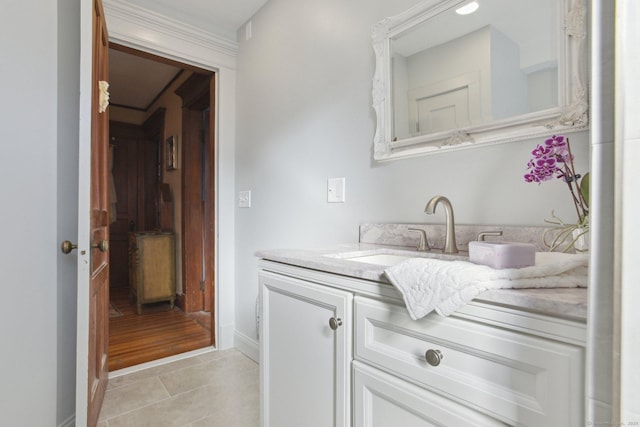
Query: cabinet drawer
(381, 400)
(517, 378)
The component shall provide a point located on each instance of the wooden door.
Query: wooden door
(99, 225)
(124, 146)
(198, 209)
(209, 217)
(136, 178)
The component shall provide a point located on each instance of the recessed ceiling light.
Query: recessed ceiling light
(468, 8)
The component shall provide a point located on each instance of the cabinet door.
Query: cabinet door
(382, 400)
(304, 361)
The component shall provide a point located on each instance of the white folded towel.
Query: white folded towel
(444, 286)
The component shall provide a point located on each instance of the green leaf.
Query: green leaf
(584, 187)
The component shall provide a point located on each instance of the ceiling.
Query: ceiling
(221, 17)
(135, 82)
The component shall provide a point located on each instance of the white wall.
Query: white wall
(542, 88)
(31, 44)
(509, 95)
(400, 118)
(304, 114)
(67, 203)
(627, 291)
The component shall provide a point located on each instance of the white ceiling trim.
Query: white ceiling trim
(144, 29)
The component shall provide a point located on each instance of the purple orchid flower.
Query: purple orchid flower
(553, 159)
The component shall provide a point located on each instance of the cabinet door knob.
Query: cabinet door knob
(434, 357)
(335, 323)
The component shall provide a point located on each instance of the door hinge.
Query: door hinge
(202, 286)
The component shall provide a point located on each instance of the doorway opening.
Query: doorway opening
(162, 194)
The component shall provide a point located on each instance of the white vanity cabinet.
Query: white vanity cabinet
(512, 377)
(306, 352)
(487, 365)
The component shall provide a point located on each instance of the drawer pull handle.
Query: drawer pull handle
(434, 357)
(335, 323)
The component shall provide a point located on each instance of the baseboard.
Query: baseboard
(69, 422)
(247, 345)
(225, 337)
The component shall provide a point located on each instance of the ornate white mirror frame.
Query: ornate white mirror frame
(571, 113)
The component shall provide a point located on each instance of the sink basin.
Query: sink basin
(387, 257)
(380, 259)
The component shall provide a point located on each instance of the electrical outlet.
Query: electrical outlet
(244, 199)
(336, 190)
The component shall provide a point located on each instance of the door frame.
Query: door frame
(198, 95)
(130, 26)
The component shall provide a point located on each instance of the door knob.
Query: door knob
(103, 245)
(67, 247)
(335, 323)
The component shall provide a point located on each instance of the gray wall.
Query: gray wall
(39, 121)
(67, 202)
(304, 115)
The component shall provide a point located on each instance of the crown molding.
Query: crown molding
(144, 29)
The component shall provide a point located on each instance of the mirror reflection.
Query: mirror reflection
(455, 71)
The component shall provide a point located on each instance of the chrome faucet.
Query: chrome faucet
(450, 233)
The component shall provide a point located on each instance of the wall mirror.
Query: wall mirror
(509, 70)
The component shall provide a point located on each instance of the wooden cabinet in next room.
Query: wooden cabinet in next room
(152, 268)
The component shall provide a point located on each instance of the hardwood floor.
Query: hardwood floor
(156, 333)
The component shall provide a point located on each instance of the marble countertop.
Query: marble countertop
(561, 302)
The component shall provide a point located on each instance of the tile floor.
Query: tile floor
(215, 389)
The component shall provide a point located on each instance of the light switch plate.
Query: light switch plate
(244, 199)
(336, 190)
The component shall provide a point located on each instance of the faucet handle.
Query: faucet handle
(423, 245)
(484, 234)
